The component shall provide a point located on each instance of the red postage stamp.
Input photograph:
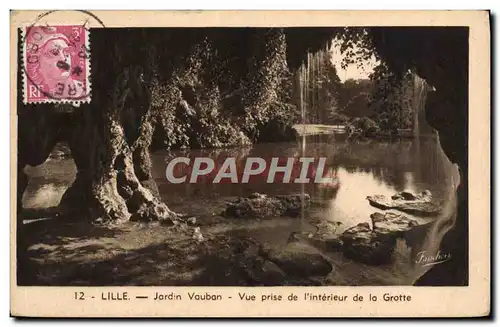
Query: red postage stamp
(56, 62)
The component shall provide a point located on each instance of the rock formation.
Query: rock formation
(415, 204)
(263, 206)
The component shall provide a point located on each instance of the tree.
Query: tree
(135, 89)
(354, 98)
(329, 86)
(316, 87)
(391, 99)
(111, 137)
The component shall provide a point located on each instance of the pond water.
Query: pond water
(359, 168)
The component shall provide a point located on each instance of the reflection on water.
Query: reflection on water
(48, 182)
(360, 169)
(350, 205)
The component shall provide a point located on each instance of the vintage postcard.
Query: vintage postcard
(250, 163)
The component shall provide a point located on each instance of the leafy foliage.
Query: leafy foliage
(363, 126)
(323, 89)
(268, 83)
(339, 119)
(391, 99)
(354, 98)
(217, 96)
(356, 45)
(237, 88)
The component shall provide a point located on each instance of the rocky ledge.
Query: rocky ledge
(363, 244)
(415, 204)
(371, 244)
(262, 206)
(325, 237)
(289, 264)
(375, 246)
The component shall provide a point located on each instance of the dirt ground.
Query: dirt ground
(63, 252)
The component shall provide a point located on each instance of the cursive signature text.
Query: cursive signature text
(428, 260)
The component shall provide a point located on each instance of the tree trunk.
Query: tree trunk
(109, 140)
(110, 146)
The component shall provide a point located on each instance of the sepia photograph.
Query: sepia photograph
(241, 156)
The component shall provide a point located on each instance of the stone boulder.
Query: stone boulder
(263, 206)
(298, 259)
(408, 196)
(362, 244)
(256, 269)
(327, 242)
(325, 236)
(376, 245)
(240, 260)
(391, 223)
(419, 205)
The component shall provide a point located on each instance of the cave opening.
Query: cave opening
(223, 88)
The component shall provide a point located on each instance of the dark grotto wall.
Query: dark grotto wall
(300, 40)
(440, 56)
